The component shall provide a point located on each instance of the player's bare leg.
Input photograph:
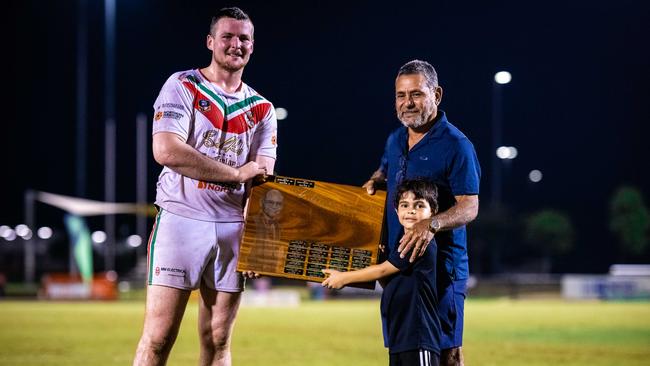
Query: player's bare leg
(452, 357)
(217, 312)
(162, 319)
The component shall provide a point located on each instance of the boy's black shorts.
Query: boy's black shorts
(414, 358)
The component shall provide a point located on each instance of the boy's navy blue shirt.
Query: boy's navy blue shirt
(409, 304)
(446, 157)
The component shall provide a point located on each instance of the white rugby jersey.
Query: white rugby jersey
(229, 128)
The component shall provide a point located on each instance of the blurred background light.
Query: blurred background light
(134, 240)
(281, 113)
(535, 176)
(44, 232)
(502, 77)
(98, 236)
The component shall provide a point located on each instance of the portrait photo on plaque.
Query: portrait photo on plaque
(295, 228)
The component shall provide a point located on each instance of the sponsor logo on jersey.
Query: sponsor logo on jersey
(249, 119)
(218, 187)
(204, 105)
(158, 116)
(172, 105)
(232, 144)
(172, 115)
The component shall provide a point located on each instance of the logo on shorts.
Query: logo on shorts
(157, 271)
(158, 116)
(204, 105)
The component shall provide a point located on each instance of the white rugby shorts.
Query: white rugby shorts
(182, 252)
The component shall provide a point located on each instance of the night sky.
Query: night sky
(576, 109)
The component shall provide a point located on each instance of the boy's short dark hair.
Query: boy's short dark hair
(421, 188)
(232, 12)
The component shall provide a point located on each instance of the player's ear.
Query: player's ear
(209, 42)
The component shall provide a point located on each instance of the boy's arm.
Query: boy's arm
(338, 279)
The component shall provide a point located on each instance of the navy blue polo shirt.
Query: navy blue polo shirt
(409, 304)
(446, 157)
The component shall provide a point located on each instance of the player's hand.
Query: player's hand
(415, 240)
(250, 274)
(369, 186)
(334, 279)
(249, 170)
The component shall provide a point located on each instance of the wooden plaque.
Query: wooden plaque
(297, 227)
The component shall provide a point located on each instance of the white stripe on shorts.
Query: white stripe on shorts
(425, 358)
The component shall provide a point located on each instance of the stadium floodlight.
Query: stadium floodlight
(502, 77)
(513, 152)
(22, 230)
(507, 152)
(44, 232)
(134, 240)
(5, 231)
(10, 235)
(535, 176)
(28, 235)
(98, 236)
(281, 113)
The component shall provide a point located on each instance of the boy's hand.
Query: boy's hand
(415, 240)
(334, 279)
(250, 274)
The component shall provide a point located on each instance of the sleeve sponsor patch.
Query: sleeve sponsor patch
(168, 114)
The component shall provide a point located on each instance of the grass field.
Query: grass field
(340, 332)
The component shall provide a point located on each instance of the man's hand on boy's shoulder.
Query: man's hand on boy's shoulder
(415, 240)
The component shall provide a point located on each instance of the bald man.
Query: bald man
(267, 230)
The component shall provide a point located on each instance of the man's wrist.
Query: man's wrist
(434, 225)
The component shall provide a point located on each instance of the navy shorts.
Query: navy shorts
(451, 309)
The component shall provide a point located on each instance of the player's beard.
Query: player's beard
(425, 116)
(231, 67)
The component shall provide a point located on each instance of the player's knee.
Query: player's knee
(217, 339)
(159, 344)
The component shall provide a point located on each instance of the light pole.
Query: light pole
(502, 152)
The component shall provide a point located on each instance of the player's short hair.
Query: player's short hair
(231, 12)
(421, 188)
(420, 67)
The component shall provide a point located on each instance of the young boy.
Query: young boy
(409, 302)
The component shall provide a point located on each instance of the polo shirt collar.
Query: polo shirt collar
(435, 131)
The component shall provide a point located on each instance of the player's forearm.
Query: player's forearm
(187, 161)
(462, 213)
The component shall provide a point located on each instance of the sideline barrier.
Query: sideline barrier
(62, 286)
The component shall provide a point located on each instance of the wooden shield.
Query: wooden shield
(295, 228)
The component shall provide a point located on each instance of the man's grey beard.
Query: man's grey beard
(419, 122)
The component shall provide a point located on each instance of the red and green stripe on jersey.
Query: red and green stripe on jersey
(240, 116)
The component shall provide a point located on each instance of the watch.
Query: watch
(434, 226)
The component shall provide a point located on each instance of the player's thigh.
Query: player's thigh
(180, 250)
(221, 272)
(165, 307)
